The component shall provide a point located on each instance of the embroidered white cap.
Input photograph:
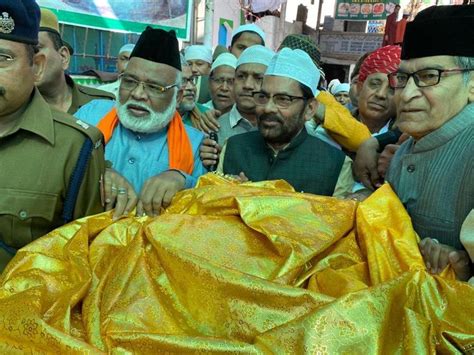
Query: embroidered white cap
(297, 65)
(224, 59)
(256, 55)
(127, 48)
(250, 27)
(341, 87)
(198, 52)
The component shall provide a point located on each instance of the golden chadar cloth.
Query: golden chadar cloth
(251, 268)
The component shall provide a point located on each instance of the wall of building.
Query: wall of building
(228, 14)
(225, 12)
(276, 30)
(94, 49)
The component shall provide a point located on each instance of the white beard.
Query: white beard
(186, 107)
(153, 122)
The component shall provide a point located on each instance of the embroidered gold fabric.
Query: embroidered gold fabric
(251, 268)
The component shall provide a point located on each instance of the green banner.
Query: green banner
(364, 10)
(125, 15)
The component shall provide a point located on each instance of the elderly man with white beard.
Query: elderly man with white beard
(188, 108)
(153, 154)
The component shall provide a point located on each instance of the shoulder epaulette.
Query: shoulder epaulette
(89, 130)
(95, 92)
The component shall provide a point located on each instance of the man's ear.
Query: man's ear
(65, 57)
(310, 109)
(39, 66)
(179, 97)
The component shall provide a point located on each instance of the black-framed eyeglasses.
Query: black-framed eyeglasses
(5, 58)
(129, 83)
(281, 100)
(423, 78)
(191, 80)
(222, 81)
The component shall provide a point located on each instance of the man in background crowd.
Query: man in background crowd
(188, 108)
(199, 58)
(401, 26)
(242, 118)
(57, 87)
(221, 83)
(122, 62)
(246, 36)
(341, 93)
(391, 27)
(353, 91)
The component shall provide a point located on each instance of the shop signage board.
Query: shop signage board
(364, 10)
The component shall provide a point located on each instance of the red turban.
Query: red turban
(383, 60)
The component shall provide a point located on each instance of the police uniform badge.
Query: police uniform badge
(7, 25)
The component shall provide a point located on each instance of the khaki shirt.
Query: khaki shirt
(37, 159)
(82, 95)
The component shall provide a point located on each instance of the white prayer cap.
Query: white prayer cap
(297, 65)
(333, 83)
(127, 48)
(256, 55)
(250, 27)
(198, 52)
(342, 87)
(224, 59)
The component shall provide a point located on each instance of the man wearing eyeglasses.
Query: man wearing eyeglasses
(153, 153)
(433, 171)
(188, 108)
(242, 118)
(241, 115)
(50, 163)
(282, 148)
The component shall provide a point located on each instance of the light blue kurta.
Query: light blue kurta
(138, 156)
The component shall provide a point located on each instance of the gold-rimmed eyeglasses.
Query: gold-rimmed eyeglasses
(129, 83)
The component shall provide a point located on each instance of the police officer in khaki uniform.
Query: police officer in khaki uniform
(50, 163)
(58, 89)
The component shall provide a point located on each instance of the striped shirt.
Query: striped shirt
(434, 178)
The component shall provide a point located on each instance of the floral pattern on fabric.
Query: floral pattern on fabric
(247, 268)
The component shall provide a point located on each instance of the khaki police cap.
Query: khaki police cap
(49, 21)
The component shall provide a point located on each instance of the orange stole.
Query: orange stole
(180, 151)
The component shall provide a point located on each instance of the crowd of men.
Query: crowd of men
(248, 112)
